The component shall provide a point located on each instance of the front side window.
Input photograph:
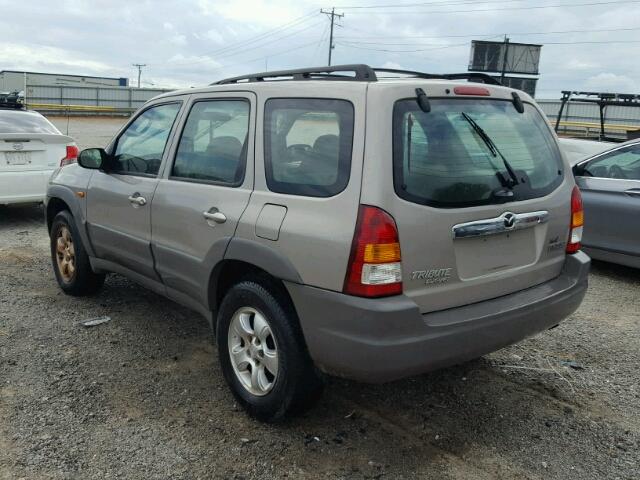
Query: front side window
(622, 164)
(308, 145)
(441, 160)
(140, 147)
(213, 145)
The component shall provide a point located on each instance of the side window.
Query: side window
(308, 145)
(140, 147)
(622, 164)
(213, 145)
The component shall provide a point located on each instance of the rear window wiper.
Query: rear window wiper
(494, 151)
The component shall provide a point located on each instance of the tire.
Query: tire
(70, 260)
(296, 385)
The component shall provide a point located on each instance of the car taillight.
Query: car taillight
(71, 157)
(374, 268)
(577, 222)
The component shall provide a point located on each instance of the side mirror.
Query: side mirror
(93, 158)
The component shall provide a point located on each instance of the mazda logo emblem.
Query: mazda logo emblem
(18, 146)
(509, 220)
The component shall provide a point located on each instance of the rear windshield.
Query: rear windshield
(12, 121)
(442, 161)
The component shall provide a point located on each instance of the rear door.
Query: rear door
(204, 190)
(119, 199)
(469, 230)
(610, 186)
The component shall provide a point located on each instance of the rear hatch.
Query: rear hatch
(479, 192)
(29, 142)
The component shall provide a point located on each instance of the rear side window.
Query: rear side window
(12, 121)
(308, 145)
(442, 161)
(213, 143)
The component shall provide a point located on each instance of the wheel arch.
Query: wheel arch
(244, 259)
(61, 198)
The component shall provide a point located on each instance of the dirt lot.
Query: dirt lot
(143, 396)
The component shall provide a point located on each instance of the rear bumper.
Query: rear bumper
(379, 340)
(23, 187)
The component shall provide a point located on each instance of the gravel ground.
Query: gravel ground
(142, 396)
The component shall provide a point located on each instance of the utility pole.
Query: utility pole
(332, 14)
(139, 66)
(504, 59)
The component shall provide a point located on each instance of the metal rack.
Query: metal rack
(353, 72)
(603, 100)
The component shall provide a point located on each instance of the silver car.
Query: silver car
(610, 186)
(332, 221)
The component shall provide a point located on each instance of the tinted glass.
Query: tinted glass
(440, 160)
(622, 164)
(140, 148)
(213, 143)
(14, 121)
(308, 145)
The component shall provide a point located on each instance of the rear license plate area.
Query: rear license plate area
(479, 256)
(18, 158)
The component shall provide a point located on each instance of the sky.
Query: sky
(587, 44)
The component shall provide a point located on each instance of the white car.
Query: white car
(576, 149)
(31, 148)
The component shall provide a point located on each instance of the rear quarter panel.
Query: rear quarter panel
(316, 233)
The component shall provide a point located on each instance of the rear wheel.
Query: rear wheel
(70, 260)
(262, 352)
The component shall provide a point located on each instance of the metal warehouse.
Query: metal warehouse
(11, 80)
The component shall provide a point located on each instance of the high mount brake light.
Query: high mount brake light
(467, 90)
(577, 222)
(374, 268)
(71, 157)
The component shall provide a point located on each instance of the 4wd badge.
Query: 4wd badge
(434, 275)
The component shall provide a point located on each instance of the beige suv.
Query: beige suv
(366, 223)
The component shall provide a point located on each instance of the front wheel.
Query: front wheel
(262, 352)
(70, 260)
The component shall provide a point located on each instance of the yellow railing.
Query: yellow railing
(588, 126)
(79, 108)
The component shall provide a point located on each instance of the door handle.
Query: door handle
(215, 216)
(137, 199)
(633, 192)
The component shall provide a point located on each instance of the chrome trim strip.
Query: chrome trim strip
(507, 222)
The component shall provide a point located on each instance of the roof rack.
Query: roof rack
(12, 100)
(361, 73)
(483, 77)
(602, 99)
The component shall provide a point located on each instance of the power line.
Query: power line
(532, 7)
(332, 14)
(467, 43)
(354, 39)
(244, 44)
(445, 3)
(248, 48)
(300, 47)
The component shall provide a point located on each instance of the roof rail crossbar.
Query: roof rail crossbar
(483, 77)
(361, 73)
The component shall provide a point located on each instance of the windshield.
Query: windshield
(12, 121)
(441, 159)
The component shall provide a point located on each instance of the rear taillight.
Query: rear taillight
(374, 265)
(577, 222)
(71, 157)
